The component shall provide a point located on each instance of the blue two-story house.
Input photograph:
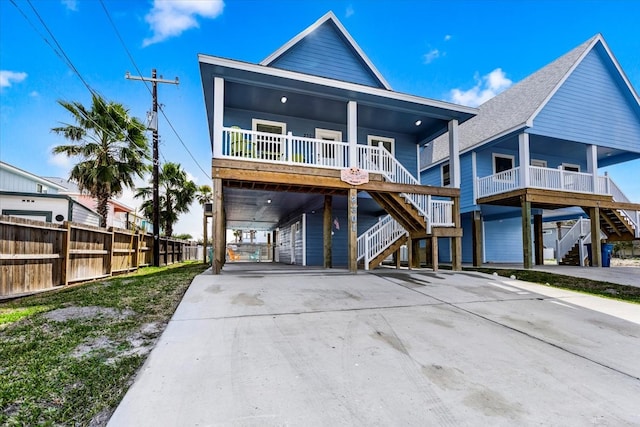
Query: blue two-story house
(314, 147)
(532, 155)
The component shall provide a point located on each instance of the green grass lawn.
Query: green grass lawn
(67, 357)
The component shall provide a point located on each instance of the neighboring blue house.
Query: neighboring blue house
(313, 146)
(532, 154)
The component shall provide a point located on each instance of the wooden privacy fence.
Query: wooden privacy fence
(37, 255)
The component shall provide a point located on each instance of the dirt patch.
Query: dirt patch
(625, 262)
(98, 343)
(70, 313)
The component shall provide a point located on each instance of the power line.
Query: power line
(115, 29)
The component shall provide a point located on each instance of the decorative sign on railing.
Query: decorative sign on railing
(354, 176)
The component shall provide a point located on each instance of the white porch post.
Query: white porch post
(218, 114)
(592, 165)
(525, 159)
(352, 132)
(454, 154)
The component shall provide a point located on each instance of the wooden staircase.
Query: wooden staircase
(401, 210)
(572, 257)
(615, 225)
(402, 240)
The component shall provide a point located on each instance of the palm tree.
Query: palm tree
(177, 192)
(204, 194)
(111, 148)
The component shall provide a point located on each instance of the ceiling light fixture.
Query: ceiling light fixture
(283, 99)
(268, 201)
(418, 122)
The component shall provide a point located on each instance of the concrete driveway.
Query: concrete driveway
(262, 345)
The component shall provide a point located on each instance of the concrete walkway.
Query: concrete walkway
(264, 345)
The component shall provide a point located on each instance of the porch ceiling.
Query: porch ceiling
(542, 146)
(259, 88)
(391, 117)
(260, 210)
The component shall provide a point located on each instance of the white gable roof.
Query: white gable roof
(329, 16)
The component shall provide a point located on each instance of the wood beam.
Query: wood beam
(456, 253)
(218, 227)
(596, 250)
(538, 240)
(326, 232)
(352, 240)
(526, 233)
(281, 174)
(434, 253)
(476, 229)
(410, 253)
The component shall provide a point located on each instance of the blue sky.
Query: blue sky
(460, 51)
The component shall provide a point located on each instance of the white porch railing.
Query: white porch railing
(498, 183)
(544, 178)
(254, 146)
(379, 237)
(557, 179)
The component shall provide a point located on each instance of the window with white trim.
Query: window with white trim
(446, 176)
(571, 167)
(502, 162)
(388, 143)
(269, 147)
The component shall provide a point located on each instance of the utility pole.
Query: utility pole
(154, 127)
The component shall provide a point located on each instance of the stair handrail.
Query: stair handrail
(377, 238)
(632, 217)
(574, 235)
(393, 170)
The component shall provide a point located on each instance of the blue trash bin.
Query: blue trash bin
(607, 252)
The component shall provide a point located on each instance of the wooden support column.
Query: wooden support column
(269, 246)
(415, 253)
(326, 232)
(596, 250)
(456, 242)
(434, 252)
(454, 154)
(274, 246)
(352, 240)
(397, 259)
(537, 241)
(218, 227)
(476, 227)
(205, 237)
(526, 233)
(410, 253)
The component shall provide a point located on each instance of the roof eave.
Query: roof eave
(339, 84)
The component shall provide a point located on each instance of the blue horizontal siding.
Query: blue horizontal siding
(467, 238)
(591, 107)
(339, 239)
(503, 240)
(326, 53)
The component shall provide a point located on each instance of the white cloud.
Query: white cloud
(447, 37)
(431, 56)
(486, 88)
(7, 78)
(34, 94)
(63, 162)
(71, 4)
(169, 18)
(350, 11)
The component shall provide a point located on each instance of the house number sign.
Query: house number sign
(354, 176)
